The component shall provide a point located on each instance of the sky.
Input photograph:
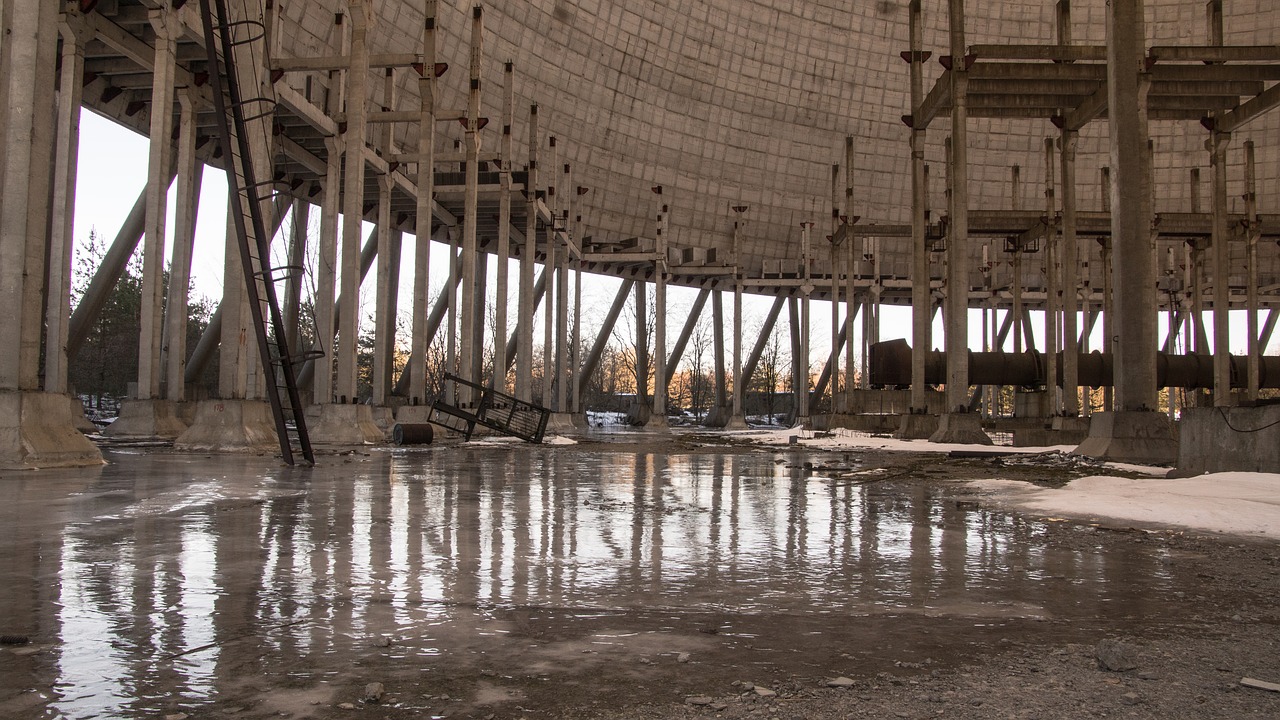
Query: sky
(113, 169)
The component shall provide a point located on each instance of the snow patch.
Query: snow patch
(1232, 503)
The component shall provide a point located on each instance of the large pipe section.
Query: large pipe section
(891, 367)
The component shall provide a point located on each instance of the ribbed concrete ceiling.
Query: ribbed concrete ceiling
(748, 102)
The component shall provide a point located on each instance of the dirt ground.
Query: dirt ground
(1194, 614)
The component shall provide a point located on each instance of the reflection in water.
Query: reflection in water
(154, 587)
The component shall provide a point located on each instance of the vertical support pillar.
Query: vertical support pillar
(803, 410)
(659, 419)
(737, 418)
(1221, 273)
(1071, 277)
(500, 374)
(327, 272)
(451, 326)
(1134, 432)
(1251, 291)
(798, 387)
(301, 219)
(641, 409)
(421, 340)
(472, 302)
(151, 325)
(384, 305)
(62, 238)
(834, 267)
(1019, 313)
(36, 429)
(353, 198)
(1052, 269)
(921, 280)
(190, 174)
(851, 271)
(716, 418)
(562, 300)
(1108, 292)
(549, 306)
(524, 330)
(575, 364)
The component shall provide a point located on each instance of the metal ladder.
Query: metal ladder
(247, 194)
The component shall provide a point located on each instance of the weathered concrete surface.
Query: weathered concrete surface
(1229, 439)
(343, 425)
(147, 419)
(915, 426)
(230, 426)
(1058, 431)
(961, 428)
(1148, 438)
(38, 430)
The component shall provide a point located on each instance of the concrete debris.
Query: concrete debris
(1115, 656)
(384, 641)
(1131, 698)
(1260, 684)
(346, 706)
(764, 692)
(699, 700)
(176, 716)
(373, 692)
(682, 657)
(840, 682)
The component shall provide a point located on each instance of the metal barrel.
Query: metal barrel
(412, 434)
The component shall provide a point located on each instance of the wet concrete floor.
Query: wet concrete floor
(518, 581)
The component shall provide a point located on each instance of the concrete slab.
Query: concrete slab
(1229, 439)
(960, 428)
(37, 430)
(230, 426)
(147, 419)
(1146, 438)
(343, 425)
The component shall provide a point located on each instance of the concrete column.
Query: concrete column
(802, 408)
(451, 326)
(1254, 235)
(1221, 268)
(641, 410)
(562, 302)
(834, 361)
(62, 235)
(1071, 267)
(736, 418)
(550, 263)
(420, 338)
(292, 301)
(799, 383)
(921, 293)
(1134, 432)
(717, 417)
(501, 381)
(848, 219)
(384, 333)
(355, 139)
(659, 418)
(190, 179)
(575, 363)
(1108, 295)
(1052, 306)
(527, 306)
(957, 303)
(327, 273)
(472, 302)
(167, 28)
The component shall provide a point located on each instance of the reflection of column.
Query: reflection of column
(922, 562)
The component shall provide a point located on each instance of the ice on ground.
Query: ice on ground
(1245, 504)
(558, 440)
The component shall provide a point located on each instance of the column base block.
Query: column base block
(38, 430)
(343, 425)
(1145, 438)
(736, 422)
(960, 429)
(915, 426)
(559, 422)
(230, 426)
(1239, 439)
(147, 419)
